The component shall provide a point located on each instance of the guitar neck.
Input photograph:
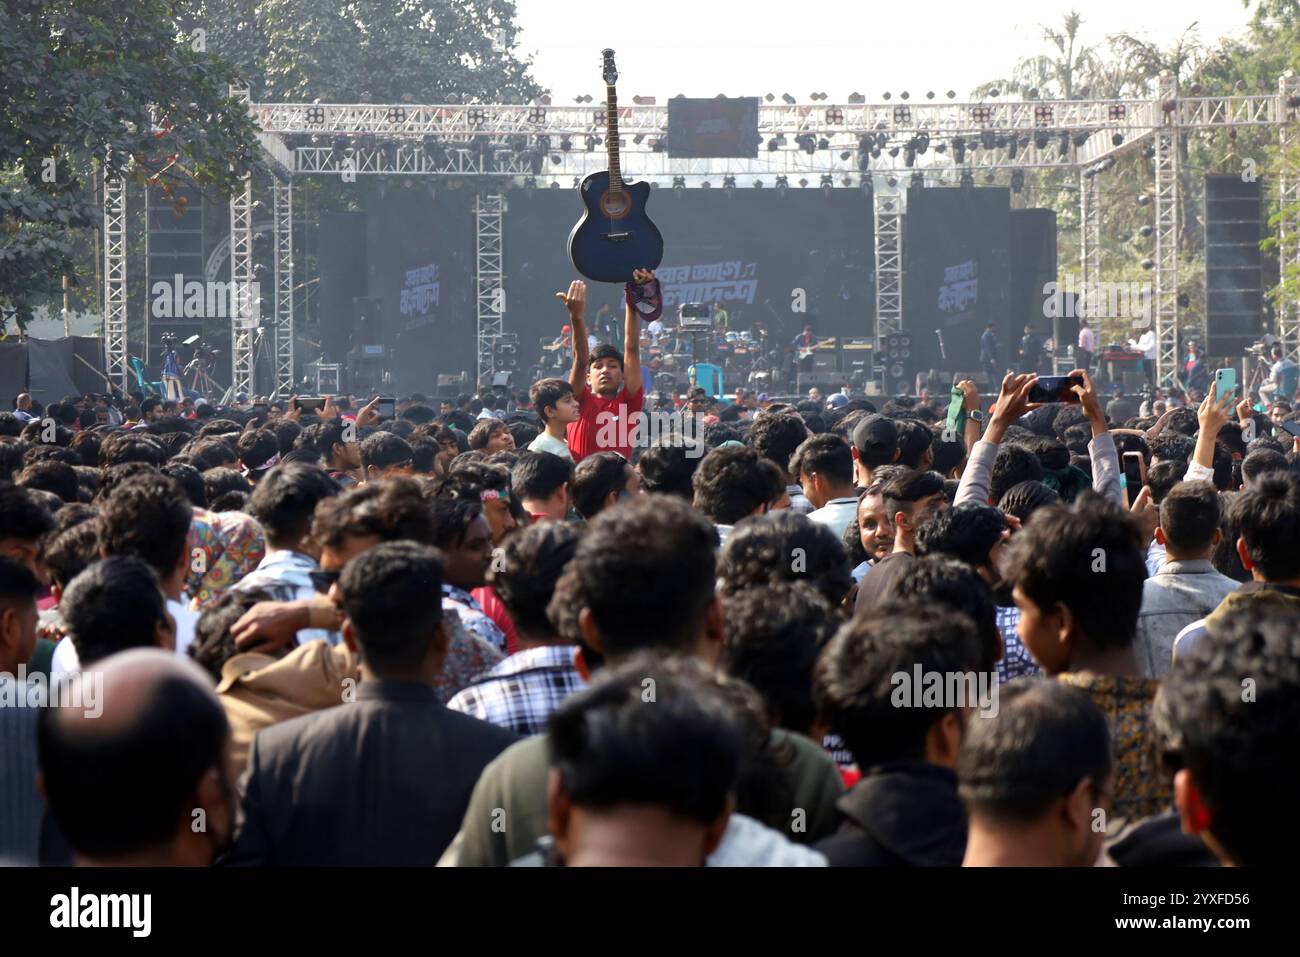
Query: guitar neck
(611, 138)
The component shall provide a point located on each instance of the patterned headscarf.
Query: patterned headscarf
(223, 547)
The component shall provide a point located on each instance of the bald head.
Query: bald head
(139, 762)
(24, 401)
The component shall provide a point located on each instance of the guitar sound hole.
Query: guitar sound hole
(615, 206)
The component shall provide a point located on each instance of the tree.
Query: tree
(1060, 76)
(386, 51)
(91, 84)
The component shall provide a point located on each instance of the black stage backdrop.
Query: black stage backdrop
(421, 251)
(751, 250)
(956, 274)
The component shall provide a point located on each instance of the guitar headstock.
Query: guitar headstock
(609, 71)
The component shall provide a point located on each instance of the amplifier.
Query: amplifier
(704, 324)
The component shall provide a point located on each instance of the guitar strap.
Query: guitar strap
(647, 300)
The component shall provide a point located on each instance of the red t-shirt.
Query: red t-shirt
(604, 424)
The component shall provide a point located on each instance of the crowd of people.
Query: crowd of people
(500, 632)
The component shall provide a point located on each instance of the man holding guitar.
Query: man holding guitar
(606, 383)
(803, 348)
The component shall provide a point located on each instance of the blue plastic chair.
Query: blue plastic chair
(142, 383)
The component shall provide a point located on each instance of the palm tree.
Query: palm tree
(1060, 75)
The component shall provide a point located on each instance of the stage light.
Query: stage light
(929, 94)
(855, 98)
(918, 180)
(1013, 148)
(788, 98)
(988, 177)
(1117, 139)
(951, 94)
(995, 92)
(1184, 300)
(706, 184)
(1144, 199)
(1017, 180)
(904, 95)
(846, 182)
(577, 182)
(967, 179)
(893, 151)
(1148, 264)
(555, 159)
(845, 155)
(803, 184)
(887, 95)
(827, 179)
(923, 142)
(823, 143)
(530, 182)
(758, 184)
(1031, 93)
(592, 143)
(566, 144)
(909, 155)
(1081, 137)
(772, 145)
(728, 182)
(1040, 140)
(679, 183)
(941, 147)
(555, 184)
(958, 150)
(1065, 144)
(1145, 231)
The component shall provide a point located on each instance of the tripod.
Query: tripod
(200, 379)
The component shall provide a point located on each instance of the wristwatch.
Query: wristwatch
(976, 415)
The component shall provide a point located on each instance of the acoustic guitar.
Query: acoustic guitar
(615, 237)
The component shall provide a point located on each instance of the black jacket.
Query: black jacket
(905, 814)
(384, 780)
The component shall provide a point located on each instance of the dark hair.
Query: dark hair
(907, 488)
(113, 605)
(854, 679)
(546, 393)
(418, 412)
(390, 510)
(1045, 739)
(732, 483)
(684, 753)
(1014, 464)
(604, 351)
(668, 467)
(594, 479)
(1189, 516)
(213, 644)
(966, 532)
(1257, 463)
(539, 475)
(67, 553)
(776, 436)
(386, 593)
(1025, 498)
(826, 454)
(937, 580)
(18, 585)
(147, 516)
(1088, 557)
(452, 518)
(1225, 559)
(208, 453)
(1238, 748)
(672, 565)
(773, 637)
(256, 448)
(1268, 516)
(286, 498)
(190, 479)
(1163, 476)
(385, 449)
(470, 479)
(122, 447)
(530, 565)
(1173, 446)
(51, 476)
(124, 787)
(914, 439)
(218, 481)
(482, 431)
(783, 546)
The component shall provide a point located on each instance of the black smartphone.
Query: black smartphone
(1055, 388)
(1292, 428)
(311, 403)
(387, 407)
(1135, 474)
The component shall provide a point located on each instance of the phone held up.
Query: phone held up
(1055, 388)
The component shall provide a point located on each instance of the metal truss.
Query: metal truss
(244, 298)
(1089, 233)
(889, 260)
(1165, 289)
(115, 345)
(1288, 314)
(490, 295)
(282, 199)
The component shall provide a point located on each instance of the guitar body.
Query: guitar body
(615, 237)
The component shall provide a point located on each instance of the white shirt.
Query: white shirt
(837, 514)
(65, 660)
(1087, 340)
(1146, 343)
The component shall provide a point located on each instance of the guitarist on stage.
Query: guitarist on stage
(607, 383)
(801, 344)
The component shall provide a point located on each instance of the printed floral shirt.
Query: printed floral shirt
(1016, 661)
(472, 616)
(1141, 789)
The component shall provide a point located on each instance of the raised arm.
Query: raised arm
(632, 339)
(576, 302)
(1013, 402)
(1101, 450)
(1212, 416)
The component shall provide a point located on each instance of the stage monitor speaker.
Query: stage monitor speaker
(344, 276)
(1235, 308)
(898, 362)
(501, 380)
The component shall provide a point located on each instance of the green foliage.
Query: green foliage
(92, 83)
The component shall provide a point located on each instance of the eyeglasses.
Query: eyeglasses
(323, 581)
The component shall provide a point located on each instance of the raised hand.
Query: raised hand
(575, 300)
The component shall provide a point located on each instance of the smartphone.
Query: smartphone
(1055, 388)
(311, 403)
(1135, 474)
(1225, 381)
(387, 407)
(1292, 428)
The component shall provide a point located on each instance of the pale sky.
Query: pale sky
(707, 47)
